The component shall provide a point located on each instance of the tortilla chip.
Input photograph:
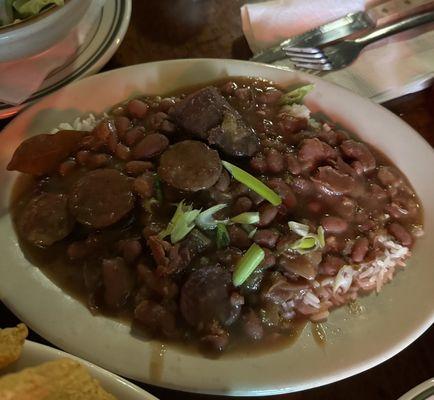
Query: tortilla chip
(11, 343)
(62, 379)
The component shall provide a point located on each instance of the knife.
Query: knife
(374, 17)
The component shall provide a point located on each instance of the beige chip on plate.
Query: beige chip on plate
(11, 343)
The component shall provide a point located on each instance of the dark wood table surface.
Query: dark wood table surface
(165, 29)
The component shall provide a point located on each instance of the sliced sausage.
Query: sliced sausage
(101, 198)
(190, 165)
(205, 296)
(46, 219)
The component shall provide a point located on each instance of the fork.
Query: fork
(344, 53)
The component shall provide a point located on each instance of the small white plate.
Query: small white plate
(35, 354)
(391, 321)
(98, 47)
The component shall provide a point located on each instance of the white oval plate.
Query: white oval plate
(391, 321)
(34, 354)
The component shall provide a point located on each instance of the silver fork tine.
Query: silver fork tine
(303, 50)
(315, 61)
(319, 67)
(291, 53)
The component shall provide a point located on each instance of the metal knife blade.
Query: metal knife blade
(321, 35)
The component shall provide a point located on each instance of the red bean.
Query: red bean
(223, 183)
(270, 96)
(267, 213)
(82, 156)
(144, 186)
(167, 126)
(269, 259)
(266, 238)
(122, 125)
(157, 119)
(275, 161)
(77, 250)
(97, 160)
(122, 152)
(229, 88)
(152, 145)
(138, 167)
(284, 191)
(167, 103)
(331, 265)
(242, 204)
(239, 237)
(400, 234)
(302, 186)
(315, 207)
(137, 108)
(131, 250)
(334, 224)
(133, 136)
(359, 250)
(104, 129)
(66, 167)
(259, 164)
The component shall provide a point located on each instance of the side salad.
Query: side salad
(13, 11)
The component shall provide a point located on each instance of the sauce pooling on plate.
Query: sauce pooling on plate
(220, 217)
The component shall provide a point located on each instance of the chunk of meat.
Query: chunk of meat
(100, 198)
(305, 265)
(190, 165)
(156, 318)
(118, 282)
(42, 154)
(200, 111)
(233, 136)
(206, 296)
(313, 151)
(334, 182)
(360, 152)
(208, 115)
(46, 219)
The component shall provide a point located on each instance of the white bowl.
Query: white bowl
(39, 33)
(393, 319)
(34, 354)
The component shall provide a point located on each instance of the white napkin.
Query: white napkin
(389, 68)
(20, 79)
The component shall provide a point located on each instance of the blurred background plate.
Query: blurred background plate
(98, 47)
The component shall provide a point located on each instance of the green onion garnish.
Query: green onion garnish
(181, 223)
(309, 241)
(246, 218)
(222, 236)
(296, 95)
(205, 219)
(320, 236)
(250, 260)
(253, 183)
(158, 189)
(298, 228)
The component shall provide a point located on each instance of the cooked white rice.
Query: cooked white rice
(80, 124)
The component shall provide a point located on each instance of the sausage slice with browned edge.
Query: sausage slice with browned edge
(46, 219)
(101, 198)
(190, 165)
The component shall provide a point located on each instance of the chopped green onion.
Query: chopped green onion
(30, 8)
(222, 236)
(246, 218)
(181, 223)
(296, 95)
(253, 183)
(250, 230)
(205, 219)
(309, 241)
(298, 228)
(248, 263)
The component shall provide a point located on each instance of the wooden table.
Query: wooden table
(164, 29)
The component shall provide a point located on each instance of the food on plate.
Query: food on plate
(13, 11)
(58, 380)
(11, 344)
(221, 215)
